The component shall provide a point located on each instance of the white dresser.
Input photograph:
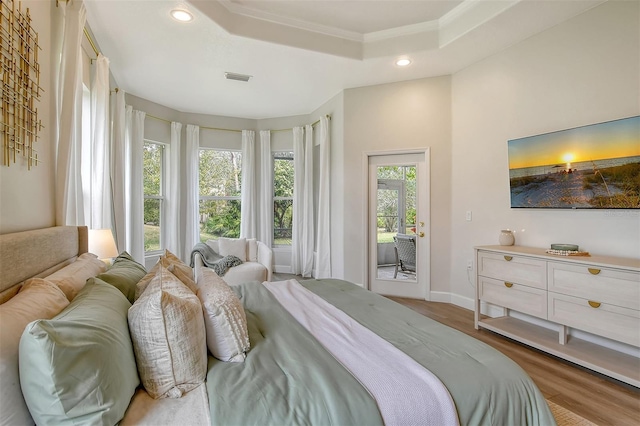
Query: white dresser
(596, 294)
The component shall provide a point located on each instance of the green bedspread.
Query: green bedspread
(487, 387)
(288, 378)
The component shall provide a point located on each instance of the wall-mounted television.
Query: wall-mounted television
(589, 167)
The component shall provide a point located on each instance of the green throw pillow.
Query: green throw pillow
(124, 274)
(79, 367)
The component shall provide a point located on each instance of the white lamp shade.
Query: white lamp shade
(102, 244)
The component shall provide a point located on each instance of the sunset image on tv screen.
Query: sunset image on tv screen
(594, 166)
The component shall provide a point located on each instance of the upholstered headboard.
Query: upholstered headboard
(37, 253)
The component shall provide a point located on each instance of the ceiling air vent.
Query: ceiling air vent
(235, 76)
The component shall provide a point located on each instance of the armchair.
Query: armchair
(256, 256)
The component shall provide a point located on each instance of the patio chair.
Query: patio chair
(405, 248)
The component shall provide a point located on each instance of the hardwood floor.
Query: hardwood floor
(602, 400)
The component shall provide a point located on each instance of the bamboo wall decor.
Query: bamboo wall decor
(20, 75)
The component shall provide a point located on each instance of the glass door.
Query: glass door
(398, 241)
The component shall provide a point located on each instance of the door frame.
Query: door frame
(424, 191)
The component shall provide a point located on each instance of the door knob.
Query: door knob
(420, 234)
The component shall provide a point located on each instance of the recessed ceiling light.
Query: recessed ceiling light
(181, 15)
(403, 62)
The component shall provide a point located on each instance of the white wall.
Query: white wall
(405, 115)
(27, 196)
(584, 71)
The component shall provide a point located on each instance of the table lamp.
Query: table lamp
(102, 244)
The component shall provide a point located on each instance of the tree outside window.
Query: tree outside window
(220, 193)
(283, 176)
(154, 197)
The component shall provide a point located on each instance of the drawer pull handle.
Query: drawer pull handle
(594, 271)
(594, 304)
(509, 285)
(508, 258)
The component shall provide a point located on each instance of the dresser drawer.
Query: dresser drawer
(606, 320)
(516, 269)
(609, 286)
(521, 298)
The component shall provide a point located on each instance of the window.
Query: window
(396, 208)
(282, 198)
(154, 195)
(220, 193)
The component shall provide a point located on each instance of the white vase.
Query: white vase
(506, 238)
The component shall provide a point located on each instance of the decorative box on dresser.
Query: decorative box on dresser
(599, 295)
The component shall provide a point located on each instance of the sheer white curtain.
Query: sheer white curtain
(323, 259)
(101, 206)
(69, 196)
(136, 197)
(170, 223)
(248, 207)
(191, 195)
(302, 244)
(119, 170)
(308, 241)
(298, 200)
(265, 228)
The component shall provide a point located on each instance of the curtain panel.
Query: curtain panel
(298, 200)
(119, 171)
(248, 206)
(100, 199)
(323, 259)
(191, 195)
(308, 241)
(171, 221)
(265, 227)
(136, 195)
(68, 193)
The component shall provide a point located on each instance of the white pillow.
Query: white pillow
(224, 318)
(38, 299)
(73, 277)
(168, 334)
(233, 247)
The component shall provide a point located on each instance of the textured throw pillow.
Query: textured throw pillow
(73, 277)
(38, 299)
(169, 340)
(224, 318)
(79, 367)
(167, 260)
(233, 247)
(124, 274)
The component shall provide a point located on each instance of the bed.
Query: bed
(368, 365)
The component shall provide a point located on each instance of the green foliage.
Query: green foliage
(220, 173)
(152, 168)
(152, 158)
(220, 176)
(222, 218)
(283, 177)
(387, 208)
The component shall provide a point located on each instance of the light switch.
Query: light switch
(468, 216)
